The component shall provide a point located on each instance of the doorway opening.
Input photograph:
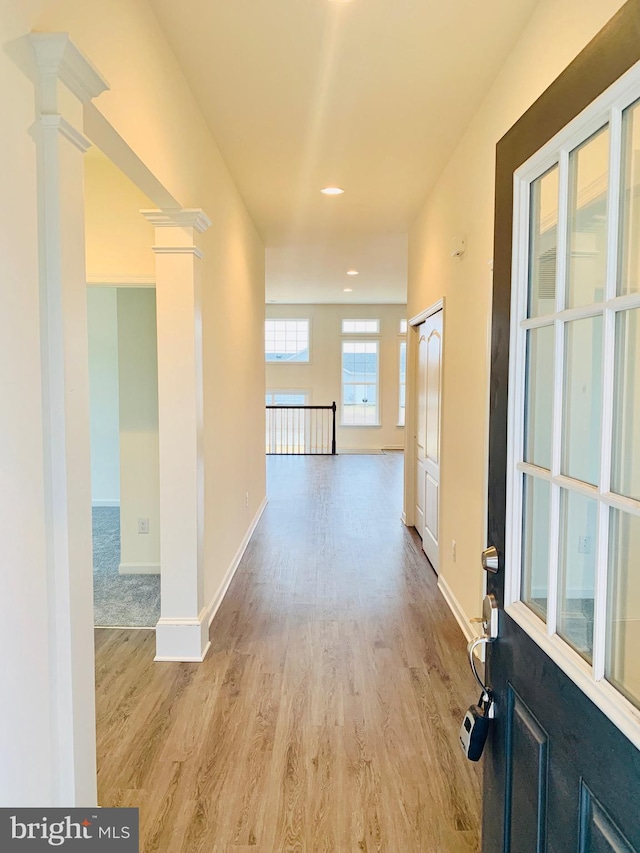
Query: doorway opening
(123, 386)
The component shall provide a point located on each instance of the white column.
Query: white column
(182, 632)
(66, 80)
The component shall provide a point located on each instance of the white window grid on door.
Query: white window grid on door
(607, 111)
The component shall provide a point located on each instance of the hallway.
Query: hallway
(325, 716)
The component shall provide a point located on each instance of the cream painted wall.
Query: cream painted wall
(102, 318)
(151, 106)
(118, 240)
(461, 203)
(138, 405)
(322, 376)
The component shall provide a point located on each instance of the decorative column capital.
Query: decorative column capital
(187, 217)
(57, 56)
(178, 229)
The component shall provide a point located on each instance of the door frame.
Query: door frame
(613, 51)
(411, 418)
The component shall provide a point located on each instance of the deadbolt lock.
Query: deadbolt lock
(490, 560)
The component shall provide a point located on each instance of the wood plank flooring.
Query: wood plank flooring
(325, 717)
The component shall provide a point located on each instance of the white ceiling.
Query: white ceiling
(371, 95)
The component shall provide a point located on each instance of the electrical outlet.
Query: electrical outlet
(247, 499)
(143, 525)
(453, 550)
(584, 544)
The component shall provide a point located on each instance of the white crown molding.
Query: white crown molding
(178, 250)
(67, 130)
(186, 217)
(57, 55)
(111, 280)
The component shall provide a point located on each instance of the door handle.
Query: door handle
(490, 560)
(489, 618)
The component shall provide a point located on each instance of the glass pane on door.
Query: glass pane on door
(539, 396)
(587, 243)
(543, 244)
(582, 399)
(623, 660)
(629, 272)
(576, 592)
(625, 469)
(535, 545)
(573, 526)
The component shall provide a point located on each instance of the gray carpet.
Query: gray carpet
(127, 601)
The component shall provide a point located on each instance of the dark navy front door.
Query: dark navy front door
(560, 774)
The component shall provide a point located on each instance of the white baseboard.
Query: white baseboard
(226, 581)
(404, 519)
(139, 568)
(470, 631)
(106, 502)
(188, 639)
(395, 448)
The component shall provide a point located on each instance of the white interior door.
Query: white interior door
(429, 400)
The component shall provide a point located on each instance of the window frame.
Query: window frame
(306, 320)
(402, 410)
(298, 392)
(359, 332)
(368, 340)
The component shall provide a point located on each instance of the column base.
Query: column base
(182, 639)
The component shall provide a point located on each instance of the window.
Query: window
(360, 383)
(402, 382)
(286, 340)
(287, 398)
(287, 429)
(573, 543)
(360, 327)
(403, 327)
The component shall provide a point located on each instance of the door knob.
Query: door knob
(490, 560)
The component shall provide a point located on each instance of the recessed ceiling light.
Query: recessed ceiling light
(332, 190)
(353, 272)
(347, 290)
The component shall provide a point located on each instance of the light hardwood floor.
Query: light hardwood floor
(325, 717)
